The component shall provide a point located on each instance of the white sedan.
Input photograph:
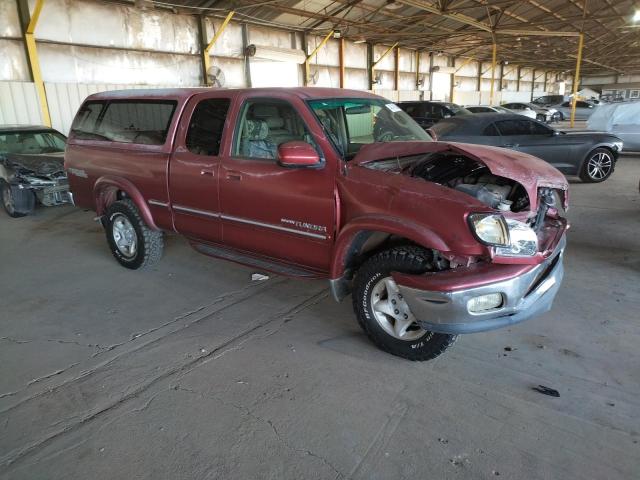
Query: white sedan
(542, 114)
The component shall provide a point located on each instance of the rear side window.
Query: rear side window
(206, 126)
(126, 121)
(491, 131)
(513, 127)
(522, 127)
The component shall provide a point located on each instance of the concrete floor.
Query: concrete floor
(192, 371)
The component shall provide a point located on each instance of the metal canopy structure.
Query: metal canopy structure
(535, 33)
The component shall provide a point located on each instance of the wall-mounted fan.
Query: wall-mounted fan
(215, 76)
(313, 77)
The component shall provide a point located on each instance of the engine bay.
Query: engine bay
(473, 178)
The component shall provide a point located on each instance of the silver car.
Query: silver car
(531, 110)
(487, 109)
(620, 119)
(584, 110)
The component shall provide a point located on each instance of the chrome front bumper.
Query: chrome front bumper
(524, 296)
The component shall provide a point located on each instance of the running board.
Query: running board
(252, 261)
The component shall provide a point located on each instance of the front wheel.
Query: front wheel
(598, 166)
(132, 242)
(17, 202)
(385, 316)
(541, 118)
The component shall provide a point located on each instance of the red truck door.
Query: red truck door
(194, 168)
(283, 213)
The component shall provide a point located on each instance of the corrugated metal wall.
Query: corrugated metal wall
(19, 104)
(126, 46)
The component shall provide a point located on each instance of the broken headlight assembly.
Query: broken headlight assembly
(511, 238)
(523, 241)
(490, 229)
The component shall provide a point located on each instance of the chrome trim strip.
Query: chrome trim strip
(207, 213)
(274, 227)
(204, 213)
(158, 203)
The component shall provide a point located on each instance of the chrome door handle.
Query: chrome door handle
(206, 172)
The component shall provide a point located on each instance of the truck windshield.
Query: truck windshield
(351, 123)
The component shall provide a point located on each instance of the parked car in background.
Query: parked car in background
(547, 100)
(542, 114)
(584, 110)
(428, 113)
(621, 120)
(32, 168)
(431, 239)
(487, 109)
(590, 155)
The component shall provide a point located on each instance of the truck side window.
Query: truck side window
(136, 121)
(205, 129)
(85, 124)
(264, 125)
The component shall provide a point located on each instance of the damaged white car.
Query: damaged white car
(32, 168)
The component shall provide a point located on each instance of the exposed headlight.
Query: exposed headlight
(490, 229)
(618, 146)
(523, 241)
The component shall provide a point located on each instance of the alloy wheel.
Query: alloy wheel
(124, 235)
(600, 166)
(7, 199)
(392, 312)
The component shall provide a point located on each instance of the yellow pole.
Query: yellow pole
(307, 74)
(576, 79)
(453, 77)
(493, 71)
(417, 69)
(34, 61)
(205, 54)
(380, 59)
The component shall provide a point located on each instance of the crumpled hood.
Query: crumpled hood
(531, 172)
(44, 164)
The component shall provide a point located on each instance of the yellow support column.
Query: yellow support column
(576, 79)
(307, 73)
(493, 71)
(34, 62)
(375, 64)
(206, 59)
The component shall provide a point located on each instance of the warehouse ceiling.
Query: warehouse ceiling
(537, 33)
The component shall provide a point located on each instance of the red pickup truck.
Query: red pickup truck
(431, 239)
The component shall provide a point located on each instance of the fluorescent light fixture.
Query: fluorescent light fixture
(360, 40)
(636, 17)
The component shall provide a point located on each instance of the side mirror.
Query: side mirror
(298, 154)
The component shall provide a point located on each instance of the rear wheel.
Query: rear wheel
(132, 242)
(598, 166)
(383, 313)
(17, 202)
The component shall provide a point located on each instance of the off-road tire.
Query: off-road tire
(584, 169)
(150, 243)
(22, 202)
(407, 259)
